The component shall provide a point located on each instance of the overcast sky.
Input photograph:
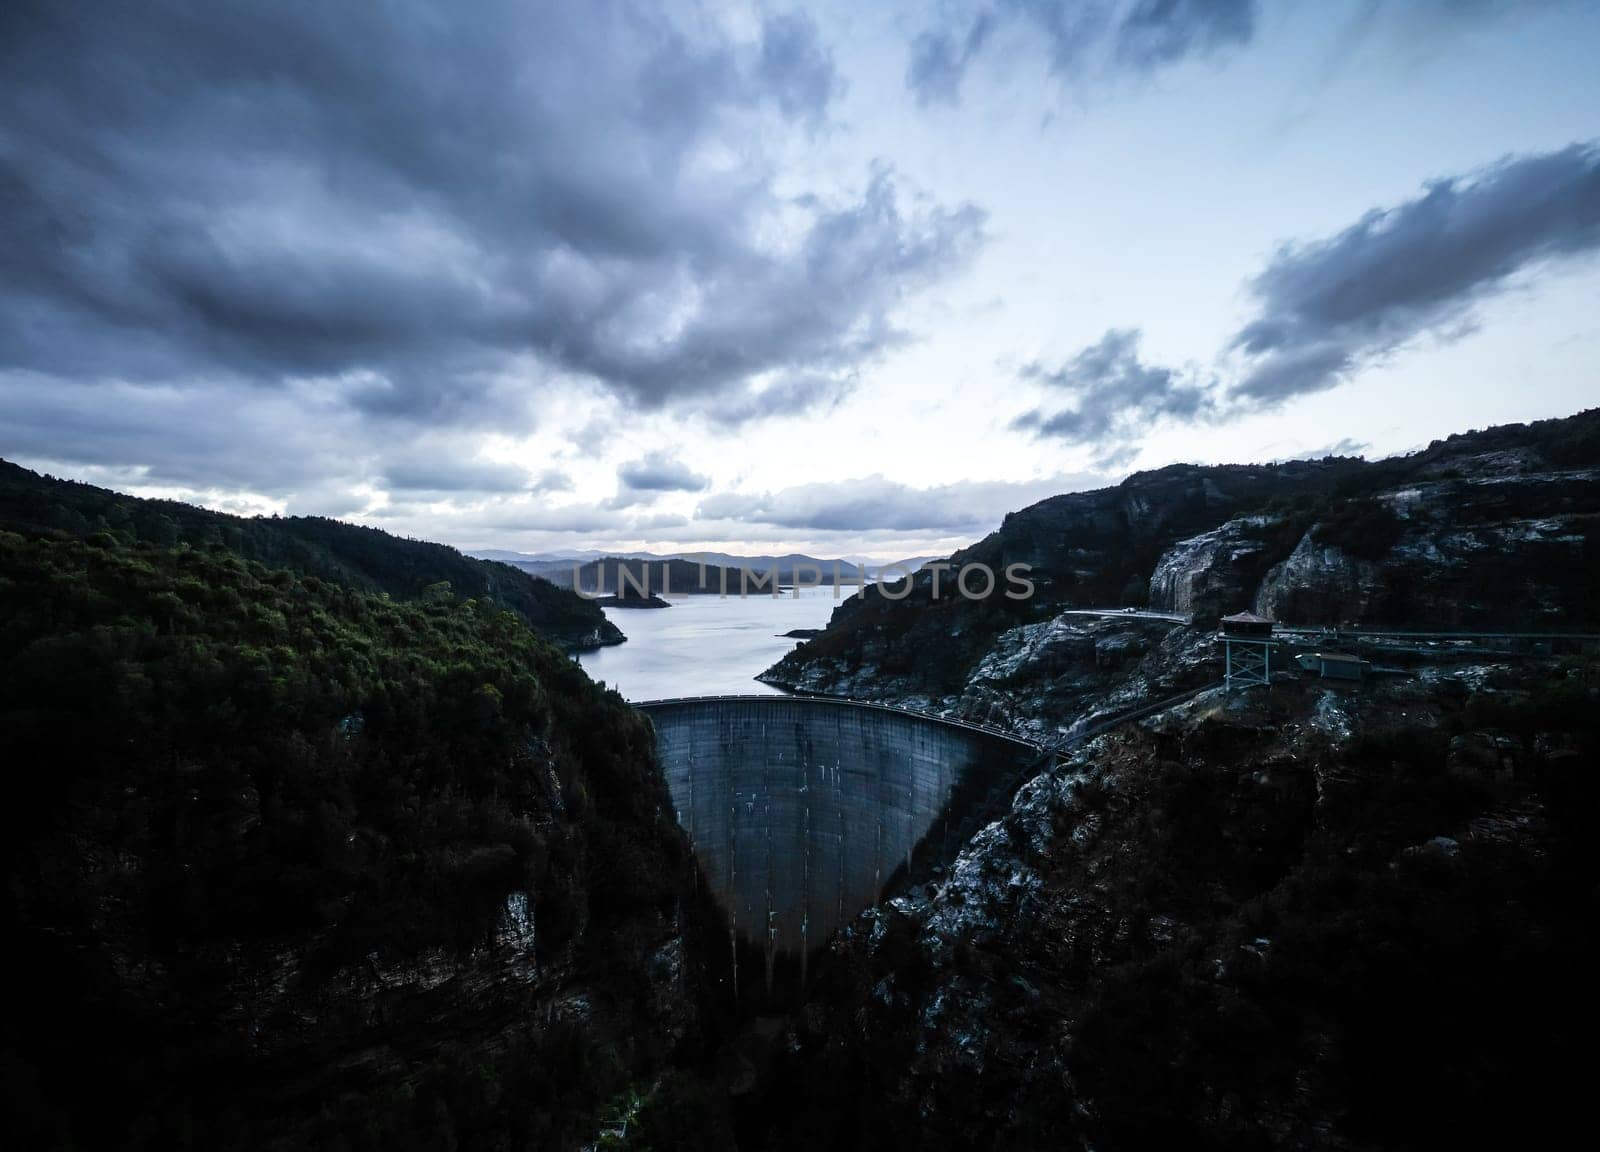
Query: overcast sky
(849, 278)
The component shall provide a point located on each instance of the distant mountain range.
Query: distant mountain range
(557, 566)
(678, 576)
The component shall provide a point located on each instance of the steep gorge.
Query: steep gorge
(293, 862)
(803, 810)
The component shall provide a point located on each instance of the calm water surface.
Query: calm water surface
(705, 645)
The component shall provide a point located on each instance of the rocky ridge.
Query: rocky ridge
(1275, 919)
(1495, 530)
(1319, 915)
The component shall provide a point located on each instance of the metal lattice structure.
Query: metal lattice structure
(1249, 661)
(1247, 640)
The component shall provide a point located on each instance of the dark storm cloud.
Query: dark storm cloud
(939, 60)
(786, 397)
(195, 440)
(1328, 307)
(1114, 393)
(429, 212)
(823, 307)
(552, 480)
(1157, 32)
(1140, 36)
(659, 472)
(797, 70)
(450, 473)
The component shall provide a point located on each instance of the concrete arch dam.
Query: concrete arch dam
(800, 808)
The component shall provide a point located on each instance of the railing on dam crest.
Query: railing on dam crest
(994, 730)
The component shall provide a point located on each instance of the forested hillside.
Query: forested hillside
(292, 862)
(355, 556)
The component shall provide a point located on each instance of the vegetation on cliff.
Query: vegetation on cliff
(287, 856)
(357, 557)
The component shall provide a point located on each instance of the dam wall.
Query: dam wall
(801, 808)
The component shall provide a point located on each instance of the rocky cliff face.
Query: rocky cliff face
(1495, 552)
(1319, 916)
(1312, 918)
(1048, 677)
(1497, 530)
(1208, 575)
(1319, 583)
(1085, 549)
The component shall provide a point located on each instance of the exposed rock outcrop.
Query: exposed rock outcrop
(1310, 918)
(1496, 531)
(1318, 584)
(1209, 575)
(1085, 549)
(1495, 552)
(1039, 677)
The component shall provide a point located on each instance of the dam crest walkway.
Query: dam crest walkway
(976, 727)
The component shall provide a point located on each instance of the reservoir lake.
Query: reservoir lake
(707, 645)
